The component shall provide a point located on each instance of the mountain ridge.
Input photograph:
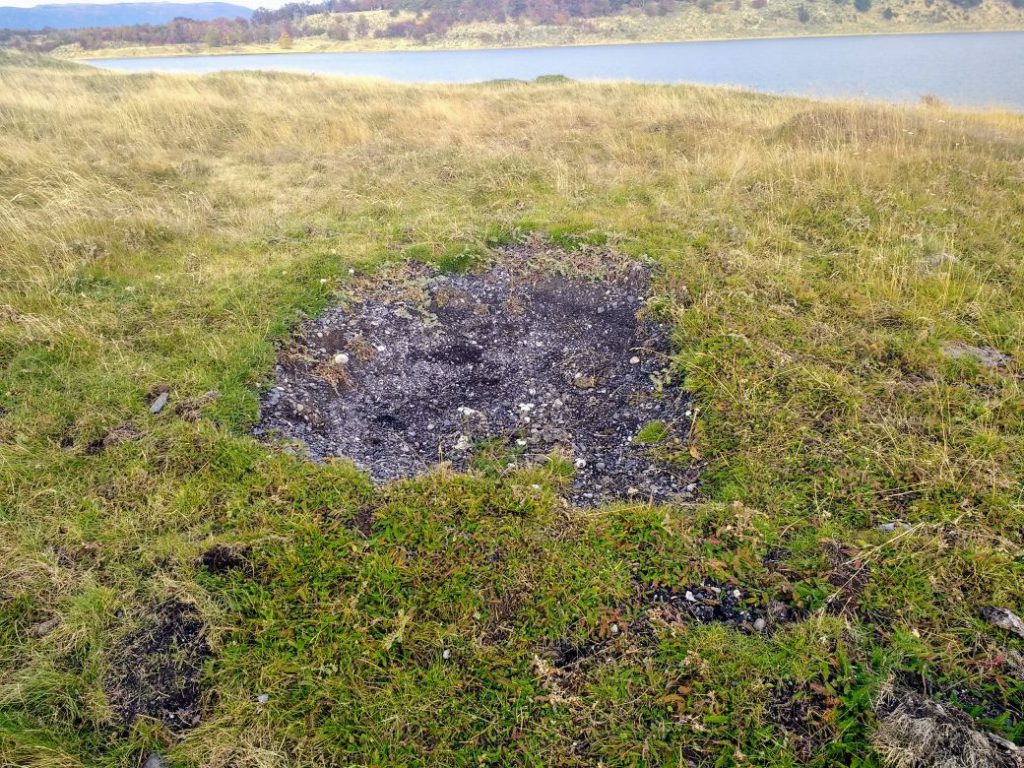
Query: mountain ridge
(85, 15)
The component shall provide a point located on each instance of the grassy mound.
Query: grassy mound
(844, 282)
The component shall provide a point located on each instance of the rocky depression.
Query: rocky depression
(533, 365)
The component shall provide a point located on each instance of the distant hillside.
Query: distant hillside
(362, 25)
(80, 16)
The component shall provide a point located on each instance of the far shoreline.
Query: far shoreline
(610, 43)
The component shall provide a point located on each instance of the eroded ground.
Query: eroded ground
(502, 366)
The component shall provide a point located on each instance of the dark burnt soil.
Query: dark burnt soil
(849, 574)
(221, 558)
(710, 603)
(155, 670)
(403, 379)
(804, 713)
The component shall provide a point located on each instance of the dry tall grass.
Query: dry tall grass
(816, 257)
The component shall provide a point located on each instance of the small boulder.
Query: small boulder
(1004, 619)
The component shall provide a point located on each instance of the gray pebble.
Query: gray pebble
(159, 403)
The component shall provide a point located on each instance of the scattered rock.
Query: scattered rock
(713, 603)
(916, 732)
(158, 404)
(1004, 619)
(155, 761)
(986, 357)
(43, 628)
(892, 526)
(552, 365)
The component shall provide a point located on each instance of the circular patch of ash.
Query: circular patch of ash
(399, 381)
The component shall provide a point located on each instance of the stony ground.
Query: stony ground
(501, 366)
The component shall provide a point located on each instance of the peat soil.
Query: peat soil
(155, 672)
(450, 368)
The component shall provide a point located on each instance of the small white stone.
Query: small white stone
(737, 594)
(581, 463)
(340, 359)
(634, 360)
(689, 597)
(381, 348)
(446, 654)
(759, 624)
(463, 443)
(300, 407)
(263, 698)
(526, 407)
(323, 281)
(614, 628)
(520, 442)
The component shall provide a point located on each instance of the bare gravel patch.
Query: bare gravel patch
(525, 364)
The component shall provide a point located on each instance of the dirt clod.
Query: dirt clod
(401, 380)
(192, 410)
(155, 670)
(221, 558)
(121, 434)
(916, 732)
(802, 711)
(849, 574)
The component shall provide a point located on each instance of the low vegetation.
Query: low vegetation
(844, 284)
(357, 26)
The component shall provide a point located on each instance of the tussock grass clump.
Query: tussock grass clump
(817, 262)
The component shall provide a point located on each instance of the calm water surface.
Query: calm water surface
(977, 69)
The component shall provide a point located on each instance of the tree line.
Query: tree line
(433, 17)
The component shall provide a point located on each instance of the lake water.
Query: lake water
(976, 69)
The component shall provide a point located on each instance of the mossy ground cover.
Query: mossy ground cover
(816, 261)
